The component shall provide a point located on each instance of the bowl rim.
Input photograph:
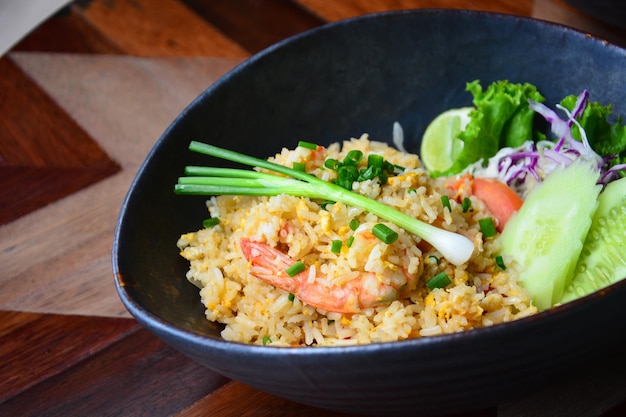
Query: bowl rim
(164, 327)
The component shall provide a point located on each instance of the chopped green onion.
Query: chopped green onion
(353, 157)
(434, 258)
(445, 200)
(307, 145)
(487, 227)
(375, 160)
(411, 191)
(466, 204)
(369, 174)
(227, 181)
(323, 204)
(384, 233)
(291, 297)
(266, 340)
(354, 224)
(331, 163)
(331, 322)
(500, 262)
(336, 246)
(350, 241)
(295, 269)
(441, 280)
(299, 166)
(210, 222)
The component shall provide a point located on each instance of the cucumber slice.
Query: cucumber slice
(546, 235)
(603, 258)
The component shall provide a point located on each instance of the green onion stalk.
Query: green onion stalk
(229, 181)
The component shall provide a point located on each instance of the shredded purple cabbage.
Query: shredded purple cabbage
(523, 167)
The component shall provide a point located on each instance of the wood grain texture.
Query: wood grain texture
(226, 402)
(68, 31)
(63, 263)
(84, 97)
(36, 347)
(350, 8)
(158, 28)
(44, 154)
(95, 367)
(256, 24)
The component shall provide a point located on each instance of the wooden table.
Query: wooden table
(82, 100)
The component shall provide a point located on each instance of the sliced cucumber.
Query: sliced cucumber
(603, 258)
(546, 235)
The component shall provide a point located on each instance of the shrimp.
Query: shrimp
(365, 289)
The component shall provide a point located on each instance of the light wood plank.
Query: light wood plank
(58, 259)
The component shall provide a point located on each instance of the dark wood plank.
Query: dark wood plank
(344, 9)
(136, 376)
(35, 347)
(68, 31)
(44, 154)
(158, 28)
(238, 400)
(256, 24)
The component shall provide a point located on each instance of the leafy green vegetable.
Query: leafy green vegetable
(214, 181)
(501, 118)
(605, 138)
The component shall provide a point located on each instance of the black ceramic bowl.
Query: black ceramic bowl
(329, 84)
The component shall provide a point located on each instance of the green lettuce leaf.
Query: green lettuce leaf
(606, 138)
(501, 118)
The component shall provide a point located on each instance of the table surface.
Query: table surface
(83, 98)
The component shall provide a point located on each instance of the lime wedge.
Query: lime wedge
(440, 146)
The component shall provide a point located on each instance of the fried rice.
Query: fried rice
(481, 293)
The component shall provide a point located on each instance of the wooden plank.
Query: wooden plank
(44, 154)
(158, 28)
(35, 347)
(344, 9)
(67, 31)
(256, 24)
(238, 400)
(58, 259)
(136, 376)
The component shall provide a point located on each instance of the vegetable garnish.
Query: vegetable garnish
(487, 227)
(307, 145)
(528, 164)
(210, 222)
(445, 201)
(441, 280)
(435, 259)
(295, 269)
(354, 224)
(336, 246)
(500, 262)
(266, 340)
(502, 118)
(466, 204)
(384, 233)
(291, 296)
(348, 171)
(215, 181)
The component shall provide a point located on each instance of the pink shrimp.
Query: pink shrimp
(365, 290)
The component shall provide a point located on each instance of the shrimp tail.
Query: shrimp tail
(268, 264)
